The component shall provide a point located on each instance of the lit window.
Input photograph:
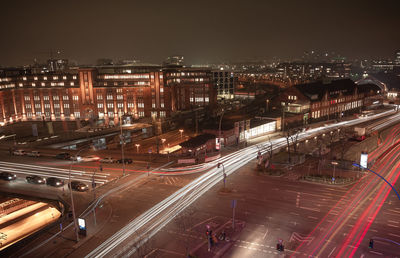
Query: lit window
(45, 78)
(24, 78)
(99, 96)
(55, 77)
(75, 97)
(35, 78)
(33, 84)
(65, 98)
(43, 84)
(74, 77)
(66, 105)
(77, 114)
(72, 83)
(64, 77)
(20, 84)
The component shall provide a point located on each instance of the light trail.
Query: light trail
(387, 161)
(25, 169)
(150, 222)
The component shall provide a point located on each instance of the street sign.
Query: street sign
(233, 204)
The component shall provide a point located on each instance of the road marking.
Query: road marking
(373, 230)
(390, 225)
(394, 235)
(311, 209)
(378, 253)
(394, 211)
(332, 251)
(294, 213)
(311, 217)
(265, 233)
(392, 221)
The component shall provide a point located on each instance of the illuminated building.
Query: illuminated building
(102, 92)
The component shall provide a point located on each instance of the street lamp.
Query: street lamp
(71, 195)
(334, 163)
(181, 131)
(122, 143)
(219, 131)
(223, 171)
(137, 147)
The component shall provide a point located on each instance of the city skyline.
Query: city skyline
(203, 32)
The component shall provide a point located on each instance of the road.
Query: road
(154, 219)
(342, 231)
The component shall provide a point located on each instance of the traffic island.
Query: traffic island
(220, 240)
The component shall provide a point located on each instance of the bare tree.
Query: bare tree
(184, 222)
(292, 136)
(142, 245)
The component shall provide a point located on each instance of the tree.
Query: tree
(184, 222)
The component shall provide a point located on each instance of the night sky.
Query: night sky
(202, 31)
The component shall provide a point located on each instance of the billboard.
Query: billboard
(364, 160)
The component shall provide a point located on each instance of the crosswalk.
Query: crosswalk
(26, 169)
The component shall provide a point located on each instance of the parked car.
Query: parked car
(53, 181)
(7, 176)
(63, 155)
(107, 160)
(19, 152)
(78, 186)
(91, 158)
(35, 179)
(34, 154)
(126, 161)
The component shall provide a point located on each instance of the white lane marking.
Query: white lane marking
(311, 217)
(378, 253)
(392, 221)
(294, 213)
(394, 235)
(390, 225)
(331, 252)
(311, 209)
(266, 232)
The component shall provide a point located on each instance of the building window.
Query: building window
(55, 77)
(100, 105)
(141, 114)
(64, 77)
(65, 98)
(66, 105)
(37, 105)
(74, 77)
(24, 78)
(46, 97)
(76, 98)
(111, 114)
(72, 83)
(36, 97)
(56, 98)
(120, 105)
(77, 114)
(110, 105)
(35, 78)
(33, 84)
(56, 105)
(45, 78)
(120, 97)
(109, 96)
(47, 106)
(27, 98)
(99, 97)
(162, 113)
(43, 84)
